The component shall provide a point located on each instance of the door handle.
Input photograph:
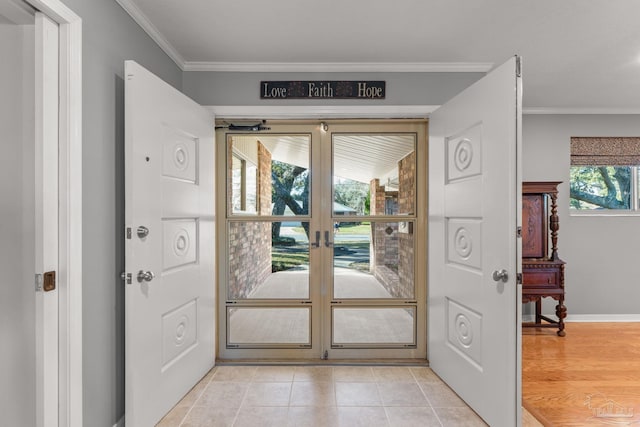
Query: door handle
(500, 276)
(142, 231)
(145, 276)
(327, 242)
(316, 244)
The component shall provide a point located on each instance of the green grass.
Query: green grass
(362, 228)
(288, 259)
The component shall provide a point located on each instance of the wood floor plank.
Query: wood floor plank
(589, 377)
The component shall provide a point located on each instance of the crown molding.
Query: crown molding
(337, 67)
(141, 19)
(403, 67)
(576, 110)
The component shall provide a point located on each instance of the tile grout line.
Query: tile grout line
(215, 371)
(244, 397)
(429, 401)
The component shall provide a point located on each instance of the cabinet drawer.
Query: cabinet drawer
(540, 278)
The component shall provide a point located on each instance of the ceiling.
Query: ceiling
(578, 55)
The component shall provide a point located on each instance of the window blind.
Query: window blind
(605, 151)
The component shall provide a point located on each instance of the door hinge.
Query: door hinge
(519, 279)
(518, 66)
(128, 232)
(519, 232)
(126, 277)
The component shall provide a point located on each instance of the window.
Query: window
(604, 173)
(243, 185)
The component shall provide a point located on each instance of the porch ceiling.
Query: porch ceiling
(360, 157)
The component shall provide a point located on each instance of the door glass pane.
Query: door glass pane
(268, 325)
(371, 325)
(268, 175)
(374, 174)
(373, 259)
(268, 260)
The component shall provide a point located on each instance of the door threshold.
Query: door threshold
(319, 362)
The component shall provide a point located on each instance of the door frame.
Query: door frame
(259, 112)
(69, 275)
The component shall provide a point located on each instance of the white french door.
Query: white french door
(320, 255)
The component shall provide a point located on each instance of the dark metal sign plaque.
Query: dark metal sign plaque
(322, 89)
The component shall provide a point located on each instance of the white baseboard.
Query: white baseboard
(120, 422)
(590, 318)
(603, 318)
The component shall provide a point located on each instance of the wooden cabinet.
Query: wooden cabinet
(542, 269)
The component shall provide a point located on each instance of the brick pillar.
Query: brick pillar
(406, 205)
(250, 241)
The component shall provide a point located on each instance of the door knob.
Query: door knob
(145, 276)
(500, 276)
(142, 232)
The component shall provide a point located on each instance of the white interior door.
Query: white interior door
(474, 195)
(169, 210)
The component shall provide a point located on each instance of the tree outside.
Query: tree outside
(600, 187)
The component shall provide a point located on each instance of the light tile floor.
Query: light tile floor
(309, 396)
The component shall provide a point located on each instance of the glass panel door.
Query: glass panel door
(375, 306)
(267, 303)
(317, 247)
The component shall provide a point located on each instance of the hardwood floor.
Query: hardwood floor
(590, 377)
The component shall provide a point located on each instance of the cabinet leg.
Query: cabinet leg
(539, 311)
(561, 312)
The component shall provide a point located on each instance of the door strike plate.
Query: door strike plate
(49, 281)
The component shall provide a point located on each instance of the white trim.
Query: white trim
(590, 318)
(336, 67)
(70, 199)
(577, 110)
(354, 111)
(603, 318)
(143, 21)
(603, 212)
(318, 111)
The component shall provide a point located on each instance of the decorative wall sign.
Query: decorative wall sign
(322, 89)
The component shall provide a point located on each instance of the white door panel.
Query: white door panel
(474, 196)
(169, 190)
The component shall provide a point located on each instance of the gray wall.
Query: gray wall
(17, 214)
(224, 88)
(110, 37)
(601, 252)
